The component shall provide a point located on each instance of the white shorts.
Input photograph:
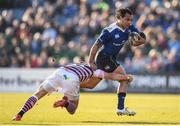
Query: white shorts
(61, 78)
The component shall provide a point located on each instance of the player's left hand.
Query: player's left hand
(138, 40)
(130, 78)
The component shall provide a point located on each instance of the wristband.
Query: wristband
(99, 73)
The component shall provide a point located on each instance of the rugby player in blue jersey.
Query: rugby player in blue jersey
(107, 47)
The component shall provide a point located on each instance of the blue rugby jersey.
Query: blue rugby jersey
(113, 38)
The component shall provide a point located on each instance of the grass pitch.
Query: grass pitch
(94, 109)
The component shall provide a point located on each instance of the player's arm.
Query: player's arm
(118, 77)
(139, 39)
(99, 75)
(113, 76)
(93, 52)
(101, 40)
(90, 83)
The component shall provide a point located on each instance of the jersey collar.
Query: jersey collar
(120, 28)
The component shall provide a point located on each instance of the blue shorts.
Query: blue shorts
(106, 63)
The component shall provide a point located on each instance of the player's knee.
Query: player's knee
(40, 87)
(71, 108)
(41, 93)
(72, 112)
(120, 70)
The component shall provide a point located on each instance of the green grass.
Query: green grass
(94, 109)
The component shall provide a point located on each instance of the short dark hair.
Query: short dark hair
(122, 12)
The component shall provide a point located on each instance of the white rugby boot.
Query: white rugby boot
(125, 111)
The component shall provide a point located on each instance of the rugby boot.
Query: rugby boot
(125, 111)
(17, 118)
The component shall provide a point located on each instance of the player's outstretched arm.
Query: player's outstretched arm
(113, 76)
(118, 77)
(90, 83)
(99, 75)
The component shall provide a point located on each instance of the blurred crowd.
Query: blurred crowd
(49, 33)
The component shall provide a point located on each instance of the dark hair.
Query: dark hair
(122, 12)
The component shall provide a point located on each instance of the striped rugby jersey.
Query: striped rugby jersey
(83, 71)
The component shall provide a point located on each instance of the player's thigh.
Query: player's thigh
(71, 89)
(106, 63)
(52, 83)
(40, 93)
(120, 70)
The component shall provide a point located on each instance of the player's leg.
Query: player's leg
(70, 100)
(49, 85)
(30, 102)
(109, 64)
(70, 105)
(122, 91)
(70, 88)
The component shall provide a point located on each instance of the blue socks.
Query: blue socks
(121, 98)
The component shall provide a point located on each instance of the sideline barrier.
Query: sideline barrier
(27, 80)
(22, 80)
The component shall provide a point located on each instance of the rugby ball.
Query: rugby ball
(133, 37)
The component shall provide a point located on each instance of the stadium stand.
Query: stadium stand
(35, 31)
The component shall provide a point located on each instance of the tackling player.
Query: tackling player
(68, 78)
(107, 47)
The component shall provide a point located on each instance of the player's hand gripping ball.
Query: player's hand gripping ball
(133, 38)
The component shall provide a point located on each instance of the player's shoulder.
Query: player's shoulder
(111, 27)
(132, 28)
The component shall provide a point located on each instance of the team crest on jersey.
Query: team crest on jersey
(65, 77)
(116, 36)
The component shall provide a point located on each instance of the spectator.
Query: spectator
(50, 28)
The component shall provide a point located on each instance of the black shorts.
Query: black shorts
(106, 63)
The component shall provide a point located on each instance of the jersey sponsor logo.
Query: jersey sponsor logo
(119, 44)
(116, 36)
